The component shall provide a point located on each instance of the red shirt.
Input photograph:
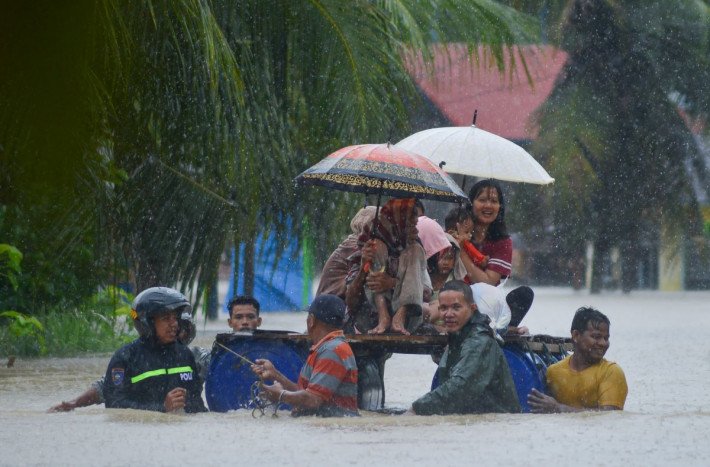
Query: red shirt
(500, 255)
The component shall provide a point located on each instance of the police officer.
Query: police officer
(155, 372)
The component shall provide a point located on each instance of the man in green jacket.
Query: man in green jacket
(473, 373)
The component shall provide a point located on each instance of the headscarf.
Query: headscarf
(392, 225)
(363, 218)
(432, 236)
(336, 269)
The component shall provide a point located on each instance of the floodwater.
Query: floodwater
(659, 339)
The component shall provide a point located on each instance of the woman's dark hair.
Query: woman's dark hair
(497, 230)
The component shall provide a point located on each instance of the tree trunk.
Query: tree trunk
(629, 265)
(249, 253)
(212, 300)
(235, 271)
(600, 254)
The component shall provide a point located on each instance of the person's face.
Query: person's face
(465, 228)
(166, 327)
(593, 343)
(454, 309)
(447, 258)
(412, 231)
(486, 206)
(244, 318)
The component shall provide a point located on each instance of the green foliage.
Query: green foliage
(147, 136)
(101, 323)
(10, 269)
(22, 335)
(611, 132)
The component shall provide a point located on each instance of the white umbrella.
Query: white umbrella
(468, 150)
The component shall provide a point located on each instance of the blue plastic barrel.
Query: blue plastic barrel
(526, 375)
(229, 379)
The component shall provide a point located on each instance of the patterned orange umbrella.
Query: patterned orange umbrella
(383, 169)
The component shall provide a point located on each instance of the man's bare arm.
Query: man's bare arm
(542, 403)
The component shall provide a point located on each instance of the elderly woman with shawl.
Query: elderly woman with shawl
(335, 270)
(388, 277)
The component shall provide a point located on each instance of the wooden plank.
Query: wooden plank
(398, 343)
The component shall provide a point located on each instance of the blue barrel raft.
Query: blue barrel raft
(229, 381)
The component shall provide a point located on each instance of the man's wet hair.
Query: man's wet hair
(585, 315)
(243, 300)
(457, 215)
(459, 286)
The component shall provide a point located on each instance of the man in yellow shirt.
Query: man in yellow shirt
(584, 380)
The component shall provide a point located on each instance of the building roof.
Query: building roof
(505, 101)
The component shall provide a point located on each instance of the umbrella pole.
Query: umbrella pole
(376, 222)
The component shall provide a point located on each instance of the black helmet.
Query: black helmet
(186, 328)
(153, 302)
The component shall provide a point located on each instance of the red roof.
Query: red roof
(504, 102)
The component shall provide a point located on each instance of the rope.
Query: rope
(235, 353)
(260, 403)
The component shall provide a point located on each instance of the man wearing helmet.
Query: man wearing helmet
(155, 372)
(244, 316)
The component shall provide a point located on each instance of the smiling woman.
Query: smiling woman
(489, 236)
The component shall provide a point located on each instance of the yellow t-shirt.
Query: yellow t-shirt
(599, 385)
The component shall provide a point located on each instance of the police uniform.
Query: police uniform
(141, 374)
(202, 359)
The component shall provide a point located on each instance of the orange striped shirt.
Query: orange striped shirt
(330, 372)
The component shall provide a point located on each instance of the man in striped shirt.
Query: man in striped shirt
(327, 385)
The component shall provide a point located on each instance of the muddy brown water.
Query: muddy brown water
(659, 339)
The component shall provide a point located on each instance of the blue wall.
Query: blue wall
(284, 288)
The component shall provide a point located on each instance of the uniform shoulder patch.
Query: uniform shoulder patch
(117, 376)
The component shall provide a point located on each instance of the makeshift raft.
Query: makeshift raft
(230, 381)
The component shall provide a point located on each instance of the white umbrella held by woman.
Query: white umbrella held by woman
(468, 150)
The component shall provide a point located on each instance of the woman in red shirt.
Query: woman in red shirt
(489, 236)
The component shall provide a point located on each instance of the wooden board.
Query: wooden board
(397, 343)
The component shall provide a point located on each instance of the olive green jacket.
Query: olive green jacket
(473, 373)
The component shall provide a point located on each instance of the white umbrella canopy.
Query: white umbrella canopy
(468, 150)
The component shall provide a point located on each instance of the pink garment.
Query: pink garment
(432, 236)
